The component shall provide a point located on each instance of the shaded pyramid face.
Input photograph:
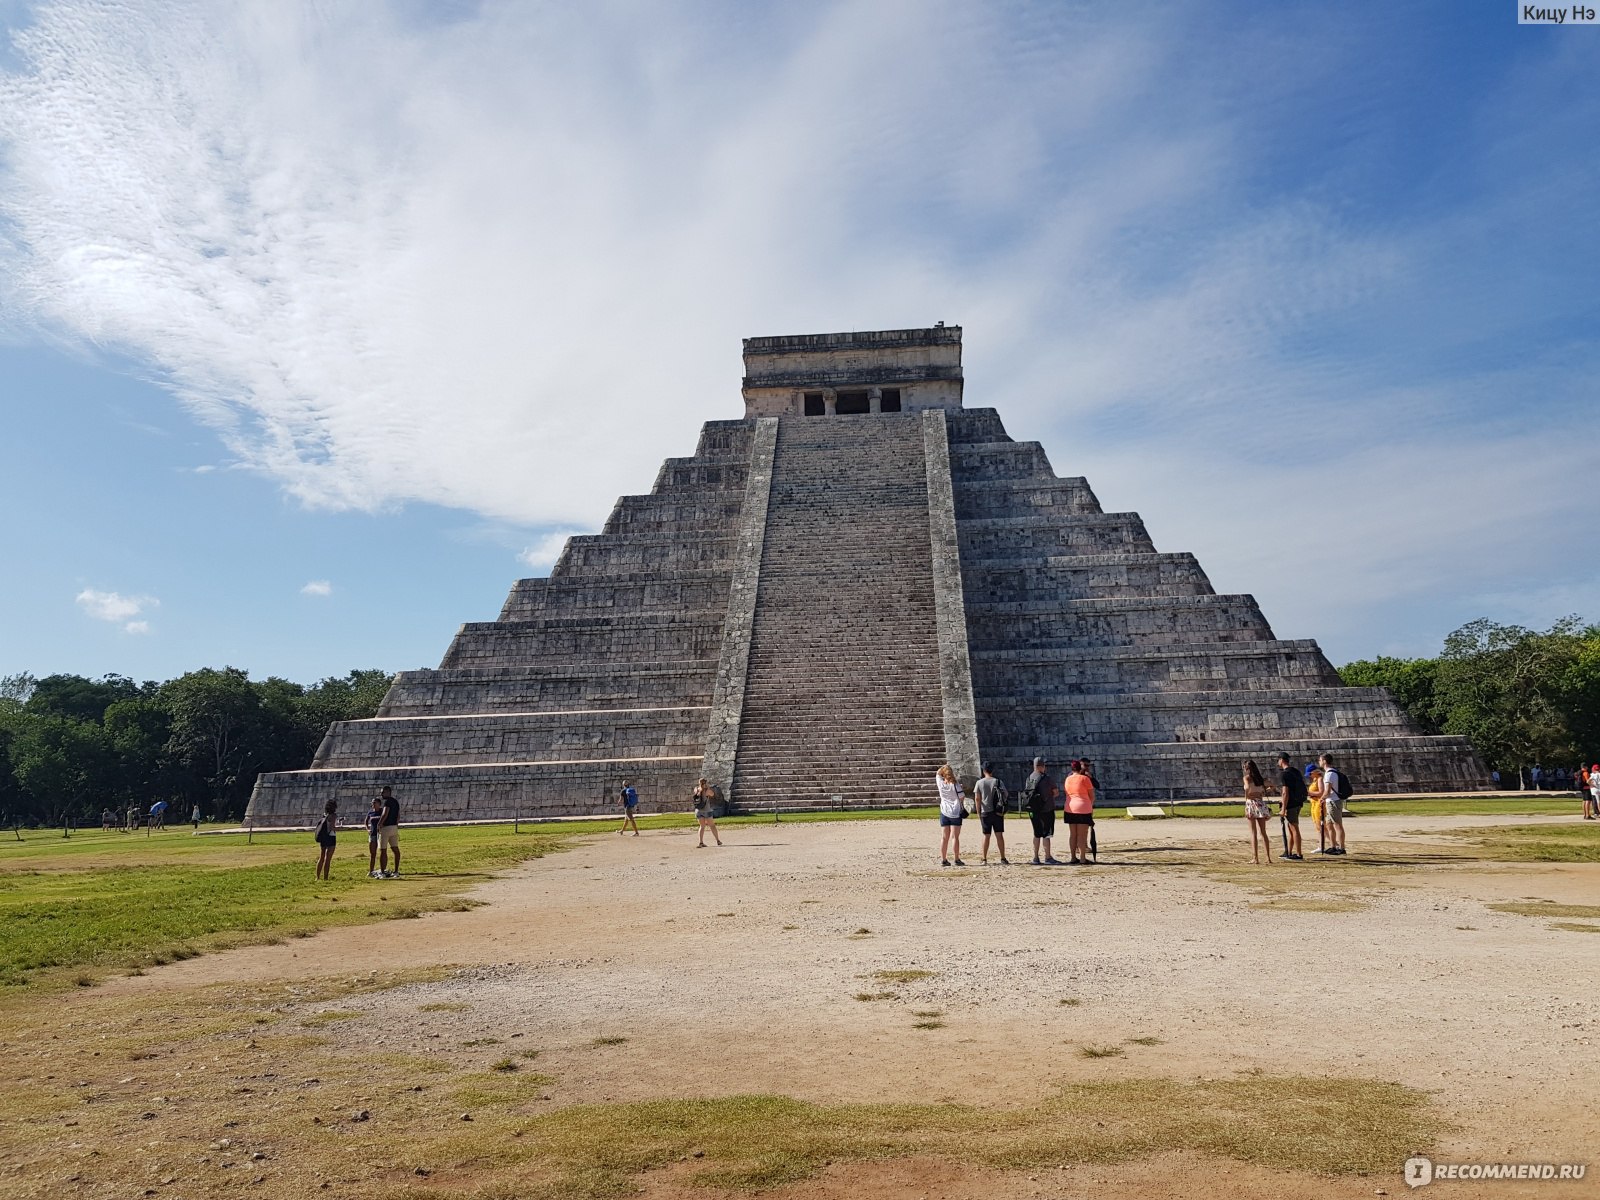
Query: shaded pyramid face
(820, 610)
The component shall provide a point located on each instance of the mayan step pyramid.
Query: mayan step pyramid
(857, 582)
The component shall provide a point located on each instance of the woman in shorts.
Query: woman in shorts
(705, 799)
(327, 838)
(1078, 814)
(1256, 810)
(952, 808)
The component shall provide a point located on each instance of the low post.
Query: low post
(250, 831)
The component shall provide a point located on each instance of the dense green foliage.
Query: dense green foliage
(70, 746)
(1524, 697)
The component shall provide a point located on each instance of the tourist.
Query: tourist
(630, 803)
(705, 802)
(132, 816)
(1314, 793)
(109, 818)
(1594, 787)
(1256, 811)
(374, 819)
(1332, 807)
(194, 816)
(1039, 794)
(952, 809)
(990, 794)
(388, 833)
(327, 839)
(1292, 794)
(158, 814)
(1078, 813)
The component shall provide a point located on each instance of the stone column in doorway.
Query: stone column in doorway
(829, 399)
(875, 400)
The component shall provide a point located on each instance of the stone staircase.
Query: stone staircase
(842, 695)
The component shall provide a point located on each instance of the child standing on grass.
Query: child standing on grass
(326, 838)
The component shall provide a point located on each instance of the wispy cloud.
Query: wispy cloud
(117, 608)
(542, 554)
(503, 263)
(317, 587)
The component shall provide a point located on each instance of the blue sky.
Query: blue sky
(321, 324)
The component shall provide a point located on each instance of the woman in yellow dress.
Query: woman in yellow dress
(1314, 791)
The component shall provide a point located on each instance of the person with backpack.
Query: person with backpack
(630, 806)
(1336, 789)
(1039, 794)
(327, 838)
(991, 797)
(1594, 790)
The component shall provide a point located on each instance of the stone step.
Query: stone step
(548, 686)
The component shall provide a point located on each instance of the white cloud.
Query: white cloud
(317, 587)
(542, 555)
(503, 263)
(117, 608)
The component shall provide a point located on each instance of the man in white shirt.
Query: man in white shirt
(1332, 806)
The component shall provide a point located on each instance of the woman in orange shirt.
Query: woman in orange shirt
(1079, 814)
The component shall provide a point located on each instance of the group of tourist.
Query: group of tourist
(1320, 785)
(1039, 796)
(382, 824)
(134, 819)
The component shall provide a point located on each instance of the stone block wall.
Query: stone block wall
(600, 673)
(1086, 642)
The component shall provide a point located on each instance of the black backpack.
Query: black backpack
(1346, 789)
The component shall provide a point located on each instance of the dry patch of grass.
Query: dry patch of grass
(609, 1041)
(328, 1017)
(755, 1143)
(331, 1114)
(904, 976)
(1147, 1040)
(868, 996)
(455, 1006)
(1532, 843)
(1575, 927)
(1322, 904)
(1091, 1051)
(1071, 1002)
(930, 1023)
(1546, 908)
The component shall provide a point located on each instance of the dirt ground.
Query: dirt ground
(736, 970)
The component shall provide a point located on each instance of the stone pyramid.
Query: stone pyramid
(857, 582)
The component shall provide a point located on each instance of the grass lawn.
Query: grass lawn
(75, 908)
(1534, 843)
(1440, 806)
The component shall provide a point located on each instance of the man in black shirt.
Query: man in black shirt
(1293, 795)
(388, 833)
(1040, 792)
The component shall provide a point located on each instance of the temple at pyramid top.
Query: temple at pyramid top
(845, 374)
(823, 611)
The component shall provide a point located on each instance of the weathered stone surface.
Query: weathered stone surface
(812, 606)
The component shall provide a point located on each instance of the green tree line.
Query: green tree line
(71, 746)
(1525, 697)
